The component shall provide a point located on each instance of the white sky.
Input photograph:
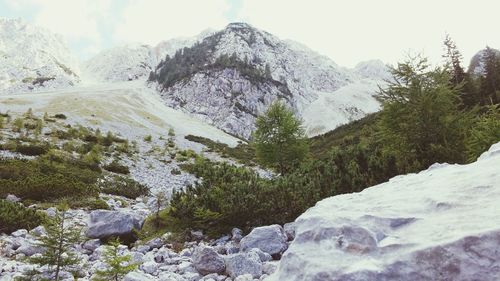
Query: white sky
(346, 31)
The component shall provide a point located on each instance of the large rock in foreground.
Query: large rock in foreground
(439, 224)
(269, 239)
(104, 224)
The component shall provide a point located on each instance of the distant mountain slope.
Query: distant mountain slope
(132, 62)
(124, 63)
(231, 76)
(32, 58)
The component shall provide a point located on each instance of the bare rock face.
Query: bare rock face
(439, 224)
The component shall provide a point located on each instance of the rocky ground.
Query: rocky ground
(154, 164)
(232, 257)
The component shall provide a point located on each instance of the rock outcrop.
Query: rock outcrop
(439, 224)
(104, 224)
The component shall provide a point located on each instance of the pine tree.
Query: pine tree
(454, 60)
(58, 242)
(160, 201)
(279, 139)
(421, 122)
(485, 132)
(458, 77)
(490, 84)
(118, 265)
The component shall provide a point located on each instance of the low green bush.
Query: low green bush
(89, 204)
(243, 153)
(121, 186)
(14, 216)
(60, 116)
(46, 179)
(32, 149)
(116, 167)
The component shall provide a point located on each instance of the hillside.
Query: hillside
(133, 61)
(33, 58)
(231, 76)
(124, 63)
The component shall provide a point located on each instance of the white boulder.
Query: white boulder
(439, 224)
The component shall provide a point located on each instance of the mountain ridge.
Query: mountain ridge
(243, 69)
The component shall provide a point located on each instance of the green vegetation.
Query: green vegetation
(60, 116)
(423, 121)
(46, 178)
(243, 153)
(188, 61)
(485, 132)
(279, 139)
(58, 242)
(117, 265)
(122, 186)
(14, 216)
(116, 167)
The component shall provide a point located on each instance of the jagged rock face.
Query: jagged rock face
(303, 70)
(439, 224)
(32, 58)
(477, 63)
(121, 64)
(225, 99)
(226, 95)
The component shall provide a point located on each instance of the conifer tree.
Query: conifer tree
(118, 265)
(421, 122)
(454, 60)
(160, 201)
(279, 139)
(490, 84)
(58, 242)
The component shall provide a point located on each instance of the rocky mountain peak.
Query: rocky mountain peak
(231, 76)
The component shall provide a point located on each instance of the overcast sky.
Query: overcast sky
(346, 31)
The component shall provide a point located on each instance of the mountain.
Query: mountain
(132, 62)
(231, 76)
(476, 66)
(123, 63)
(32, 58)
(439, 224)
